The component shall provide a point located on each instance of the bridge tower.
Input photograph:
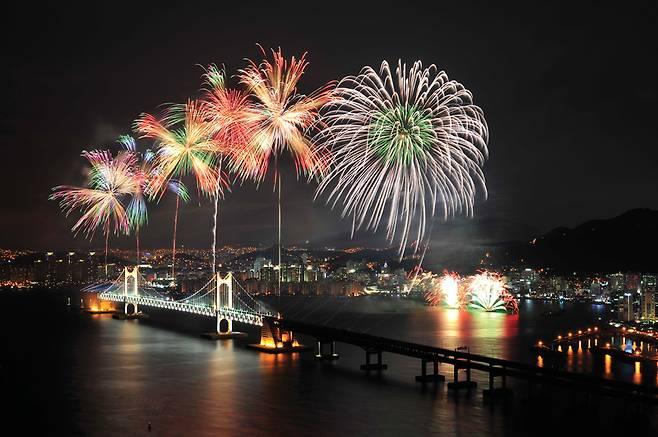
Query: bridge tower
(223, 302)
(133, 290)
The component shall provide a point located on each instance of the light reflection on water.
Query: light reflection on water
(121, 374)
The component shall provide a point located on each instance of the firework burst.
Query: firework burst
(402, 144)
(184, 144)
(226, 111)
(487, 292)
(280, 117)
(448, 290)
(110, 180)
(101, 202)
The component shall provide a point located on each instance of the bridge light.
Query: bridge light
(540, 343)
(559, 337)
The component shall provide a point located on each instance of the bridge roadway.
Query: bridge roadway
(234, 314)
(495, 367)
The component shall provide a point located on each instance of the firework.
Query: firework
(401, 145)
(280, 117)
(184, 143)
(101, 202)
(449, 290)
(143, 175)
(487, 292)
(225, 110)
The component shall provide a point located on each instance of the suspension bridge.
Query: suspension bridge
(223, 298)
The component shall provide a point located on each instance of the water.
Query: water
(69, 373)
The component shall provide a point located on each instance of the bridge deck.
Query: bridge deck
(234, 314)
(465, 360)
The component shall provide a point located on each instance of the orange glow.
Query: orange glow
(607, 345)
(279, 344)
(637, 374)
(596, 329)
(589, 329)
(540, 343)
(267, 343)
(570, 334)
(580, 332)
(608, 364)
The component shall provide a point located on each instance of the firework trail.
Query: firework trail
(110, 180)
(225, 110)
(143, 175)
(401, 144)
(487, 292)
(140, 172)
(184, 143)
(279, 119)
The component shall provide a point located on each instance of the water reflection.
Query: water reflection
(607, 372)
(637, 374)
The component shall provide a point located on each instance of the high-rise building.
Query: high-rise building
(648, 290)
(268, 274)
(258, 265)
(617, 283)
(626, 313)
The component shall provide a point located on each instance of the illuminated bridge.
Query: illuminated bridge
(222, 298)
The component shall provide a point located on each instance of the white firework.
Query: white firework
(402, 146)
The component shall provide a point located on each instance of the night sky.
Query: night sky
(569, 93)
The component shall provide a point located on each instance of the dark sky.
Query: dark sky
(568, 90)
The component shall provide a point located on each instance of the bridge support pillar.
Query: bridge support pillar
(224, 330)
(379, 366)
(322, 350)
(493, 392)
(467, 384)
(433, 377)
(125, 308)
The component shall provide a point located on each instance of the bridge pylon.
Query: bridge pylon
(223, 308)
(223, 300)
(128, 290)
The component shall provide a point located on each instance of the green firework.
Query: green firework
(403, 134)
